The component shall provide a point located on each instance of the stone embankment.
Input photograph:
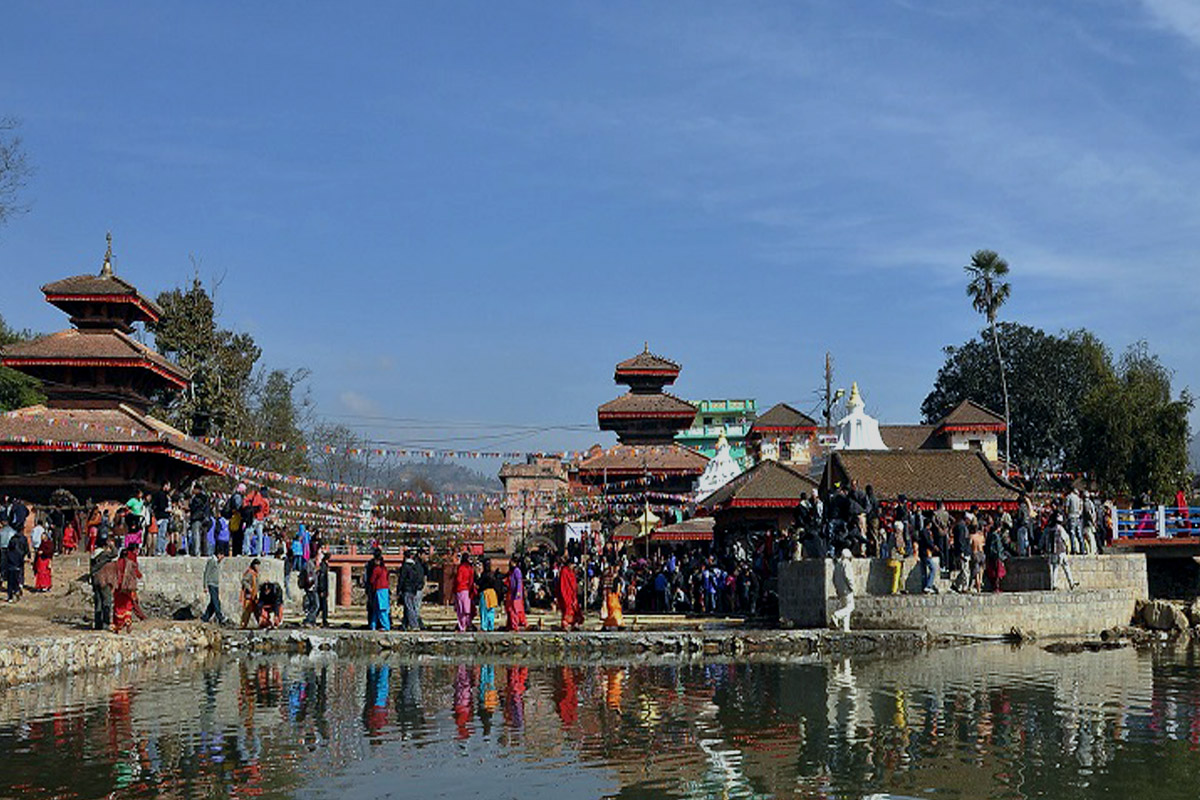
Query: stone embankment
(586, 645)
(37, 658)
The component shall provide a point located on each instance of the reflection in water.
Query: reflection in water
(979, 722)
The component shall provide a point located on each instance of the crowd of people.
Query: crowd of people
(968, 547)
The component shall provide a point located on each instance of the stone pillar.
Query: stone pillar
(345, 585)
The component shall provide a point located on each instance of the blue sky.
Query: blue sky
(468, 212)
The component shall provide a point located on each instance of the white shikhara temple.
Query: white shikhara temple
(858, 430)
(721, 470)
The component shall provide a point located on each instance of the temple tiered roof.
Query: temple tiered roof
(646, 414)
(94, 436)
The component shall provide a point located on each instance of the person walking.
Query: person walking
(568, 596)
(489, 597)
(843, 584)
(42, 556)
(464, 585)
(102, 596)
(14, 563)
(996, 553)
(377, 585)
(411, 585)
(514, 596)
(212, 585)
(249, 593)
(322, 589)
(307, 581)
(125, 577)
(1059, 548)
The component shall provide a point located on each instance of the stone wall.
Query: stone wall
(38, 658)
(179, 581)
(1090, 572)
(806, 586)
(1109, 587)
(1064, 613)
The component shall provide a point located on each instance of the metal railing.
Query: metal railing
(1156, 522)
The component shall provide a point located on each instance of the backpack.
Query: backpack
(305, 580)
(230, 507)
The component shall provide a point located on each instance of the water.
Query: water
(980, 722)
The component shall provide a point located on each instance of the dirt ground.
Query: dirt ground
(67, 609)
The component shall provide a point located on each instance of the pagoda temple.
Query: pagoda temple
(646, 419)
(94, 436)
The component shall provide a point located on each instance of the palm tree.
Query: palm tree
(988, 291)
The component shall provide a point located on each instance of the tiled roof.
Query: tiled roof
(782, 415)
(120, 426)
(647, 361)
(907, 437)
(76, 344)
(97, 285)
(767, 483)
(693, 525)
(968, 414)
(652, 458)
(632, 405)
(696, 529)
(955, 476)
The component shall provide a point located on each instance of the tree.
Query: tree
(988, 291)
(280, 411)
(227, 397)
(14, 169)
(333, 458)
(221, 364)
(1134, 433)
(1074, 409)
(1050, 374)
(17, 390)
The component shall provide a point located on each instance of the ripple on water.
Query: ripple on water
(977, 722)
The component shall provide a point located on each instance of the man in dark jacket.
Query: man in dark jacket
(411, 585)
(199, 518)
(323, 589)
(14, 564)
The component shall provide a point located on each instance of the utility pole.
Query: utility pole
(830, 397)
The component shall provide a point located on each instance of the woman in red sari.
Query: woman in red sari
(41, 565)
(568, 596)
(70, 539)
(514, 598)
(125, 602)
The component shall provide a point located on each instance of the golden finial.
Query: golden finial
(106, 270)
(855, 400)
(646, 346)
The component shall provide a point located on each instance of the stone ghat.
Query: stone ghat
(1082, 612)
(557, 646)
(38, 658)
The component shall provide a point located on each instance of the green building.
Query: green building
(714, 417)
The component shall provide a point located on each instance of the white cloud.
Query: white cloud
(359, 404)
(1180, 16)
